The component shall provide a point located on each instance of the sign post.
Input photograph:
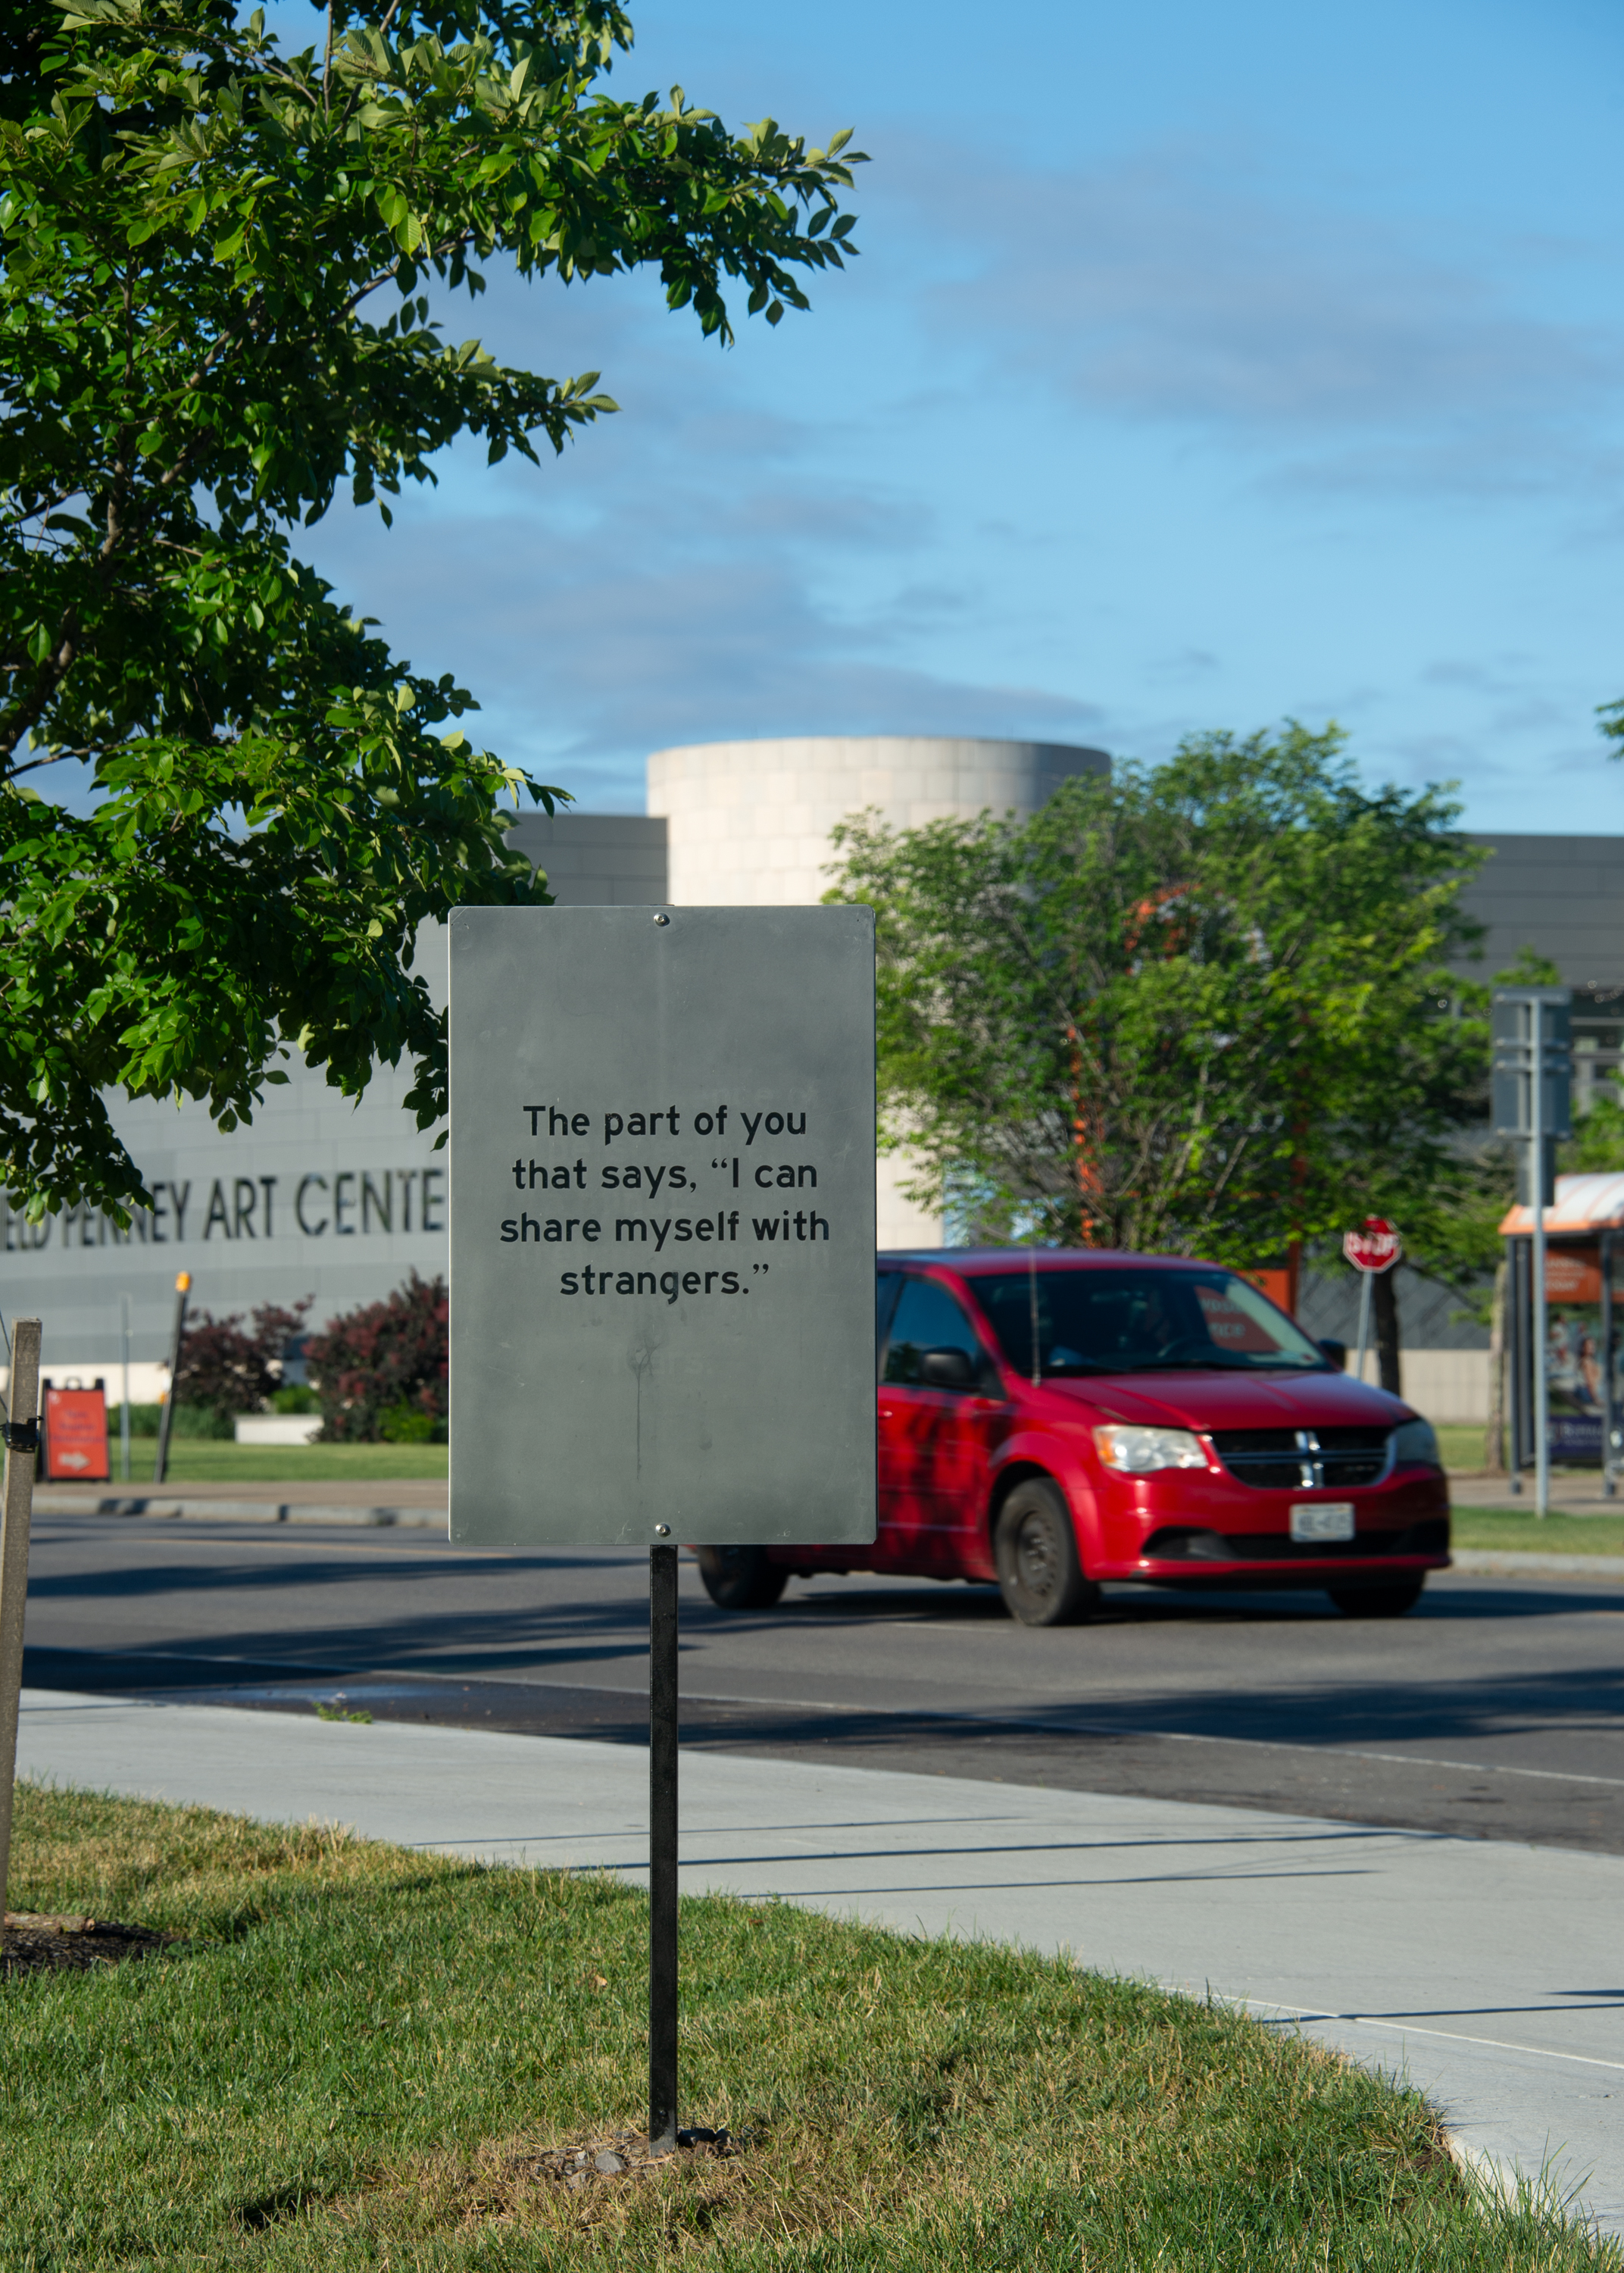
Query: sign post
(663, 1700)
(124, 1402)
(1531, 1093)
(662, 1263)
(21, 1432)
(166, 1417)
(1375, 1248)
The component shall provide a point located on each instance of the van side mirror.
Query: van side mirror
(1334, 1352)
(946, 1369)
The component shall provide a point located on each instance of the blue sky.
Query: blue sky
(1202, 367)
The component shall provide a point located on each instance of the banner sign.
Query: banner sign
(1573, 1275)
(662, 1225)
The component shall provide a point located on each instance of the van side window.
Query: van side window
(928, 1318)
(886, 1284)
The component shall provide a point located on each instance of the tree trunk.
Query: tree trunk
(1385, 1304)
(1494, 1435)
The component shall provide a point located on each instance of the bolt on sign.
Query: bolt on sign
(662, 1226)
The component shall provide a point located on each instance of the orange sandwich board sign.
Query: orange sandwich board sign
(75, 1433)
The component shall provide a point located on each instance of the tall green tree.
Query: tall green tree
(219, 263)
(1199, 1008)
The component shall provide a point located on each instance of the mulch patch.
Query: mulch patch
(623, 2154)
(31, 1943)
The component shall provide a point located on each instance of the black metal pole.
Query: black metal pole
(167, 1413)
(1609, 1483)
(1516, 1336)
(663, 1850)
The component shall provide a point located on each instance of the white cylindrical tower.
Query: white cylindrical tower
(748, 823)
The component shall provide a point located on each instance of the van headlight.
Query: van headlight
(1137, 1451)
(1415, 1444)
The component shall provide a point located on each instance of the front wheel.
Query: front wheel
(1040, 1573)
(1377, 1602)
(740, 1577)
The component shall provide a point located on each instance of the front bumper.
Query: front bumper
(1231, 1536)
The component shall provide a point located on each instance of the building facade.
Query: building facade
(336, 1201)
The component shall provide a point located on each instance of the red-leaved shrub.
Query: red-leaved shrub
(224, 1369)
(380, 1372)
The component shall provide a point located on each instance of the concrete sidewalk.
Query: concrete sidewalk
(1490, 1974)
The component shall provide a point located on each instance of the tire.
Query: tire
(1377, 1602)
(1040, 1573)
(740, 1577)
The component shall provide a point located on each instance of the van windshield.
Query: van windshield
(1129, 1320)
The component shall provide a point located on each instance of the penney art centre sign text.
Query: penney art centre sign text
(662, 1224)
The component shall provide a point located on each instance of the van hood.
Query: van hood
(1232, 1400)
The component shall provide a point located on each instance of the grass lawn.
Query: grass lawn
(1461, 1443)
(200, 1460)
(351, 2061)
(1525, 1532)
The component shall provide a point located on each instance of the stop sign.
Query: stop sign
(1376, 1246)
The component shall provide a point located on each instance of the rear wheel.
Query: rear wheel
(1040, 1573)
(1377, 1602)
(740, 1577)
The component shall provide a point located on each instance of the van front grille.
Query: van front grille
(1303, 1459)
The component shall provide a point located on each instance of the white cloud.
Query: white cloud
(1181, 287)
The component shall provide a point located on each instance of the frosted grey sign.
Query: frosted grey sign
(662, 1226)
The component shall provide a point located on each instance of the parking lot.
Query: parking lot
(1492, 1710)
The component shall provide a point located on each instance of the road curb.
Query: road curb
(1514, 1559)
(246, 1511)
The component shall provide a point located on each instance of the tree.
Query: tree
(225, 1370)
(217, 268)
(1199, 1008)
(382, 1370)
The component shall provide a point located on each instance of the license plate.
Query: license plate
(1325, 1519)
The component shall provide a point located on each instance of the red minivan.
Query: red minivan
(1049, 1420)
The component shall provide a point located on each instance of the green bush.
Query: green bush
(407, 1424)
(190, 1421)
(202, 1420)
(296, 1397)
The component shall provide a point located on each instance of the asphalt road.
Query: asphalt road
(1495, 1709)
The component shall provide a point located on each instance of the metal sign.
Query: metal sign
(1511, 1094)
(662, 1225)
(1375, 1247)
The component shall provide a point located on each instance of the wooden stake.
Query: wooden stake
(22, 1453)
